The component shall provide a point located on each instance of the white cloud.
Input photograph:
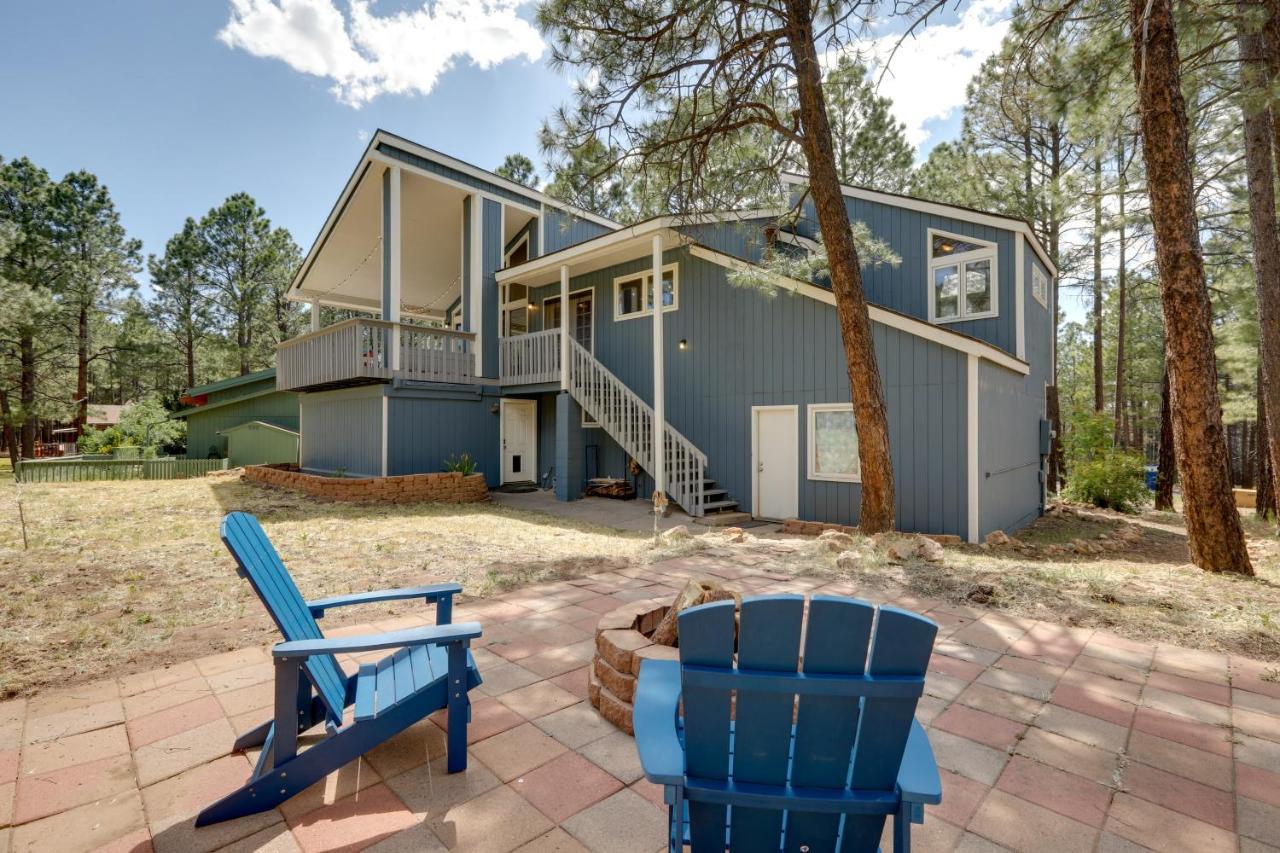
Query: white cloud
(928, 75)
(367, 55)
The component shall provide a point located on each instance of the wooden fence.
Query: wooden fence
(82, 470)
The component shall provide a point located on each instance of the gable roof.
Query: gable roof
(230, 382)
(940, 208)
(373, 153)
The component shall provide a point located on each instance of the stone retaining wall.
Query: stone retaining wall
(448, 487)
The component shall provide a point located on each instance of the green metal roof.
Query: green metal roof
(223, 384)
(208, 407)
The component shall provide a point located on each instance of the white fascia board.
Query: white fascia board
(937, 208)
(497, 180)
(883, 316)
(584, 252)
(1019, 297)
(971, 443)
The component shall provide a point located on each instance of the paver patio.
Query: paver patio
(1049, 738)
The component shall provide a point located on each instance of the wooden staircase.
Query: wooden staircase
(629, 421)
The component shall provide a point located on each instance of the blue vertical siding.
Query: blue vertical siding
(429, 425)
(564, 229)
(456, 175)
(342, 430)
(742, 239)
(468, 322)
(906, 287)
(749, 349)
(1008, 450)
(490, 263)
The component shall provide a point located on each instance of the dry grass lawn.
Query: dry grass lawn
(130, 575)
(127, 576)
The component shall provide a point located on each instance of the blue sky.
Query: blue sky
(174, 118)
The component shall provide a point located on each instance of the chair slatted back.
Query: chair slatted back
(259, 562)
(849, 740)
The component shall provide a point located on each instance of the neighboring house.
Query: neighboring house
(475, 352)
(213, 409)
(98, 416)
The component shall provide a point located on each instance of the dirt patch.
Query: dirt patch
(1146, 590)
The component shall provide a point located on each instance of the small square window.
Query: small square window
(629, 295)
(962, 278)
(833, 443)
(1040, 286)
(633, 295)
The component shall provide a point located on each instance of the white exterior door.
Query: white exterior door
(519, 441)
(775, 460)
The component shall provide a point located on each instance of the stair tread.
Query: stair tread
(712, 505)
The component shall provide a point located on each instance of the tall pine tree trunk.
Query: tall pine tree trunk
(27, 393)
(1266, 499)
(1214, 533)
(1053, 407)
(1166, 463)
(82, 369)
(869, 411)
(1258, 127)
(1099, 398)
(1122, 436)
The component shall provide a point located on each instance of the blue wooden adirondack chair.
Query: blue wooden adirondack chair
(431, 670)
(815, 751)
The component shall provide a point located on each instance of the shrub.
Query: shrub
(1099, 473)
(464, 464)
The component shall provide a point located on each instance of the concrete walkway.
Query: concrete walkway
(1052, 739)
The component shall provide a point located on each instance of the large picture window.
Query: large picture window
(633, 294)
(833, 443)
(963, 284)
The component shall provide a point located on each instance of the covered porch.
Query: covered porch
(405, 262)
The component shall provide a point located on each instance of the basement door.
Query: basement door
(519, 441)
(775, 462)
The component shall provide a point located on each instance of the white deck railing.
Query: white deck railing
(629, 421)
(529, 359)
(359, 349)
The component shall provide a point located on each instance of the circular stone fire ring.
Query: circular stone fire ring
(622, 644)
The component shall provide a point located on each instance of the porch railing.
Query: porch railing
(529, 359)
(360, 349)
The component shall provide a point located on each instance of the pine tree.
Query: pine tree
(180, 305)
(871, 146)
(518, 168)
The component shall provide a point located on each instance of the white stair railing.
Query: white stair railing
(529, 359)
(629, 421)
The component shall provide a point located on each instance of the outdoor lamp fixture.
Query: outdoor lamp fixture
(684, 344)
(493, 409)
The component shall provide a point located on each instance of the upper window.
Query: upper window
(833, 443)
(962, 278)
(1040, 286)
(633, 294)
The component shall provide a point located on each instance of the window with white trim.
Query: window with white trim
(962, 278)
(633, 294)
(1040, 285)
(833, 443)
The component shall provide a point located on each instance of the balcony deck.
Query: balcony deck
(357, 352)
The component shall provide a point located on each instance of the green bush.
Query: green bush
(1098, 472)
(464, 464)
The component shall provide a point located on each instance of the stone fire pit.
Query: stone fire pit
(625, 639)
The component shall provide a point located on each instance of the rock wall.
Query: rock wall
(448, 487)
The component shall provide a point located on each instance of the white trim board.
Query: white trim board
(990, 251)
(971, 440)
(1019, 298)
(892, 319)
(937, 208)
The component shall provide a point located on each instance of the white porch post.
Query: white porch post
(564, 327)
(391, 310)
(315, 316)
(659, 390)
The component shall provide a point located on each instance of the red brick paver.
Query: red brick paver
(1049, 738)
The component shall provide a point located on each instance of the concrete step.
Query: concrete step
(723, 519)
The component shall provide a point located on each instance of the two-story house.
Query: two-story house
(475, 351)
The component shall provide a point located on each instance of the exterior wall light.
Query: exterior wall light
(684, 344)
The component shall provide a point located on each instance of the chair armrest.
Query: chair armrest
(654, 715)
(918, 780)
(433, 635)
(429, 593)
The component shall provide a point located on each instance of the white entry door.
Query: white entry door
(519, 441)
(775, 461)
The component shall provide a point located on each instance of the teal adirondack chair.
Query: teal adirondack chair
(432, 669)
(816, 750)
